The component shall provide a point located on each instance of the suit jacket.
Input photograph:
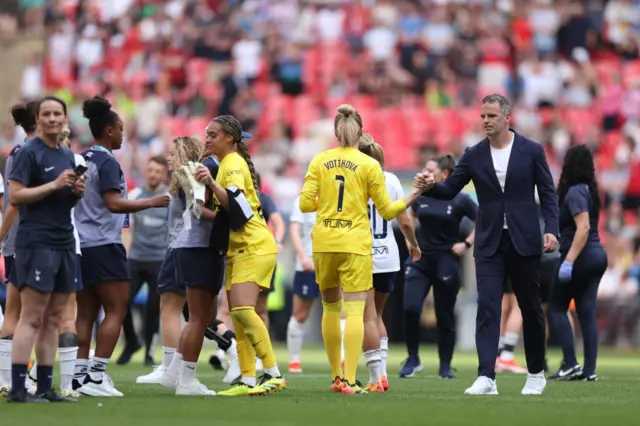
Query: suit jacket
(527, 169)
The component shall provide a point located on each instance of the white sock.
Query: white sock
(1, 318)
(176, 365)
(33, 373)
(187, 372)
(167, 356)
(501, 343)
(273, 371)
(295, 336)
(510, 342)
(384, 353)
(233, 349)
(372, 359)
(343, 323)
(67, 358)
(5, 361)
(250, 381)
(82, 367)
(97, 368)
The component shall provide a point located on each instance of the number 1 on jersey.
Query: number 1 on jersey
(340, 192)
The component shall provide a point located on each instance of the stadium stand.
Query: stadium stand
(414, 69)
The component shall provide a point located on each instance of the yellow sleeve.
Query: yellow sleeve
(378, 193)
(309, 194)
(234, 174)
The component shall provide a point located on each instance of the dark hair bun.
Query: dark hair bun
(19, 113)
(96, 107)
(24, 115)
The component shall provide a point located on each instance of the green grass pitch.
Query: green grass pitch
(423, 400)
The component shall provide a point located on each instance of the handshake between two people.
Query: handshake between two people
(424, 181)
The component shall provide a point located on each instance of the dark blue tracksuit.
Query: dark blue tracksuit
(588, 269)
(438, 268)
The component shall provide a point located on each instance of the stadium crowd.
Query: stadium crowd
(414, 69)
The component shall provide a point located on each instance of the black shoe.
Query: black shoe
(446, 372)
(566, 373)
(53, 396)
(77, 383)
(215, 362)
(592, 378)
(127, 353)
(25, 397)
(149, 362)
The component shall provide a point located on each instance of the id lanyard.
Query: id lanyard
(103, 149)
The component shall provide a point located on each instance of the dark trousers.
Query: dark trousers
(142, 272)
(491, 274)
(583, 288)
(440, 271)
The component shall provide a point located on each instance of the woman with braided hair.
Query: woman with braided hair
(251, 253)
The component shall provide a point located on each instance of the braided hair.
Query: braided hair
(231, 126)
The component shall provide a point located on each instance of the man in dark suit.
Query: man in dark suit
(505, 169)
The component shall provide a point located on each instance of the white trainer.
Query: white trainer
(234, 370)
(104, 387)
(483, 386)
(153, 378)
(4, 390)
(535, 384)
(169, 381)
(193, 388)
(70, 393)
(30, 385)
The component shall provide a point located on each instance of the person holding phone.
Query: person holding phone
(45, 189)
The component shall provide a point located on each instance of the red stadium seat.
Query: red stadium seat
(196, 127)
(631, 73)
(174, 126)
(419, 124)
(606, 69)
(197, 70)
(630, 217)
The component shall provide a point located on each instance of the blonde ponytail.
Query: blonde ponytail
(347, 126)
(368, 146)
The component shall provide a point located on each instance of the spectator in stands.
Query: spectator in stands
(470, 48)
